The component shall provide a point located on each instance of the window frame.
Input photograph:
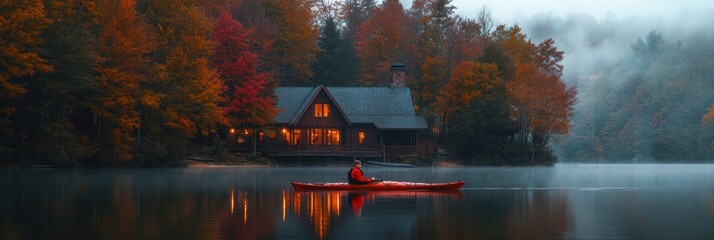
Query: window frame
(322, 110)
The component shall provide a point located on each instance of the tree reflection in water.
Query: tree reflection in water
(566, 202)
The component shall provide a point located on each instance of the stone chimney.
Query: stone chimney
(398, 74)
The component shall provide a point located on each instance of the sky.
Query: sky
(510, 11)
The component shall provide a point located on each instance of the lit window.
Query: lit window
(297, 133)
(322, 110)
(318, 136)
(360, 137)
(333, 137)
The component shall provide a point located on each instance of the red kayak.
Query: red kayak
(380, 186)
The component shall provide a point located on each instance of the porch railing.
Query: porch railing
(324, 150)
(388, 151)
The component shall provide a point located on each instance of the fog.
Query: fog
(644, 71)
(639, 100)
(568, 201)
(634, 107)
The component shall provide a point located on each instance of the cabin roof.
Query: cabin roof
(385, 107)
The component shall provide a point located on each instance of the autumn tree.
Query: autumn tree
(434, 77)
(54, 122)
(253, 15)
(426, 24)
(463, 41)
(380, 42)
(20, 26)
(469, 82)
(542, 103)
(250, 103)
(295, 40)
(124, 47)
(181, 100)
(21, 23)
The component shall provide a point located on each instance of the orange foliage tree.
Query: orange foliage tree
(124, 47)
(295, 42)
(21, 23)
(435, 75)
(470, 81)
(181, 100)
(542, 104)
(380, 42)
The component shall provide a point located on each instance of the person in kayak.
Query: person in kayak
(356, 176)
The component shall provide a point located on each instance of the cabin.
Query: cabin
(374, 122)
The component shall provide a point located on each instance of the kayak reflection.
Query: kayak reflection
(357, 199)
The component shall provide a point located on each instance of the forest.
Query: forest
(644, 87)
(147, 83)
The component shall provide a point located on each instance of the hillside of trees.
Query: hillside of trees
(150, 82)
(644, 95)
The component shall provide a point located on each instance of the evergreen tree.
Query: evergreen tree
(326, 67)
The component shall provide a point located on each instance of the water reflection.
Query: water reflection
(326, 209)
(496, 203)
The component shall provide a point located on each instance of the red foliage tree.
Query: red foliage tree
(249, 100)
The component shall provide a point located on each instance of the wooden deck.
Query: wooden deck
(321, 150)
(388, 151)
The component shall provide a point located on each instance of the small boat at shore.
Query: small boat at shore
(379, 186)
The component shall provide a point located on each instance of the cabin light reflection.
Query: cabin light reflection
(321, 208)
(233, 130)
(233, 202)
(296, 204)
(285, 206)
(245, 208)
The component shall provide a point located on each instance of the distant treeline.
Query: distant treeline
(149, 82)
(655, 106)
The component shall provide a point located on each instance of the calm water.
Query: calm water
(561, 202)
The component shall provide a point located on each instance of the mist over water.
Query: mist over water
(568, 201)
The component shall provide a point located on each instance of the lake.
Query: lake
(568, 201)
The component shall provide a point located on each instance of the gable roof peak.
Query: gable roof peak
(311, 98)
